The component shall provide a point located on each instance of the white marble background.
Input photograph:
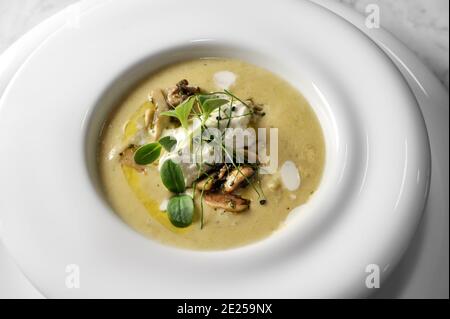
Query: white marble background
(423, 25)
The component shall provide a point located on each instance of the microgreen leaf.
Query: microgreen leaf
(168, 142)
(180, 210)
(182, 112)
(209, 105)
(172, 177)
(147, 154)
(203, 97)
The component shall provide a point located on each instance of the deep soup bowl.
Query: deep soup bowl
(363, 215)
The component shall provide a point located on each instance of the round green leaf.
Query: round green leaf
(180, 210)
(147, 154)
(208, 106)
(168, 142)
(182, 112)
(172, 177)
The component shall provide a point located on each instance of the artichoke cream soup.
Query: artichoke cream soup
(210, 154)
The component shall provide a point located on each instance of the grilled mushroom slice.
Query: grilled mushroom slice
(207, 183)
(222, 172)
(237, 177)
(148, 118)
(160, 122)
(179, 93)
(257, 109)
(228, 202)
(127, 158)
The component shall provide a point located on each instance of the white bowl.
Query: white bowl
(365, 212)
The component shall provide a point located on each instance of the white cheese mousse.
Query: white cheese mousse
(198, 161)
(224, 79)
(290, 176)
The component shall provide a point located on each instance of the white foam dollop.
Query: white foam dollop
(290, 176)
(163, 205)
(224, 79)
(189, 166)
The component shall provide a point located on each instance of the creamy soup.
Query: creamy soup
(137, 193)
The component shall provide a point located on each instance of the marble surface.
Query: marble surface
(423, 25)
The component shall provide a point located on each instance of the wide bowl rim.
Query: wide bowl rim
(423, 163)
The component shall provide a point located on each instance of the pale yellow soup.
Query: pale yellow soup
(136, 197)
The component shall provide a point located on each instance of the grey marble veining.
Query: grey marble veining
(19, 16)
(423, 25)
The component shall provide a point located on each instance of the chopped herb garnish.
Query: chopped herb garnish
(180, 210)
(168, 142)
(182, 112)
(147, 154)
(172, 177)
